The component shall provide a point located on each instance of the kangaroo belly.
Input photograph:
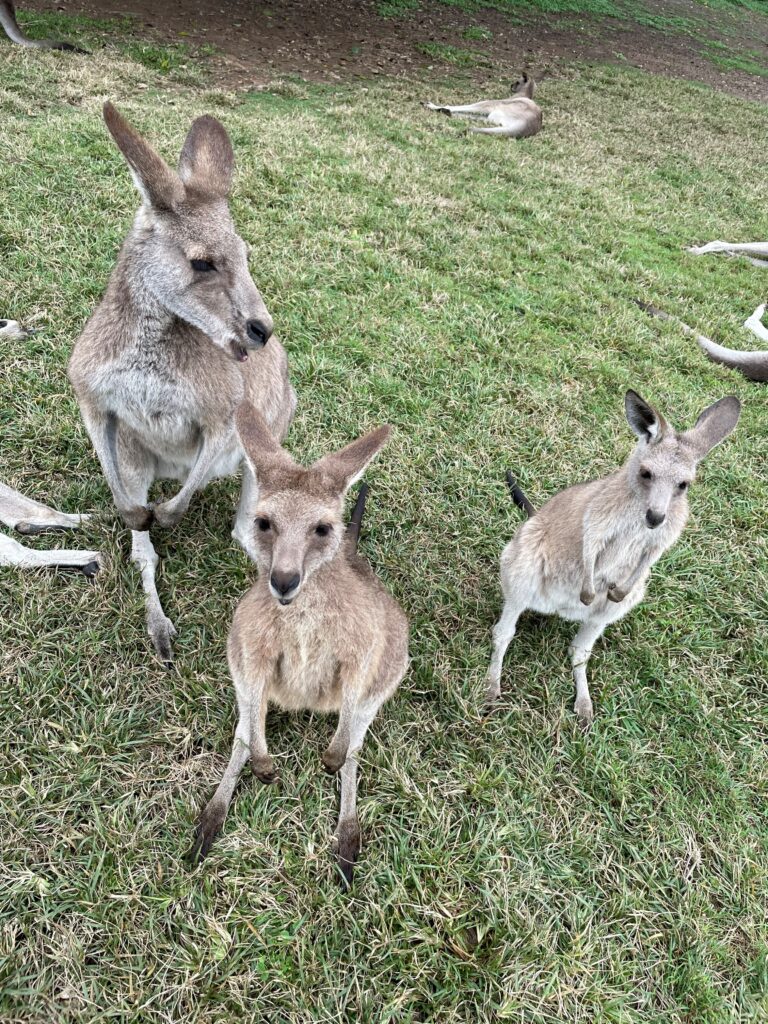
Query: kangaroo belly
(306, 678)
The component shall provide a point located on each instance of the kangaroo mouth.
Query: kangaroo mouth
(239, 351)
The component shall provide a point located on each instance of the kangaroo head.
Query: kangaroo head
(524, 86)
(663, 464)
(298, 524)
(187, 252)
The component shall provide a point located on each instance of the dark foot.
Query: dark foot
(332, 761)
(264, 769)
(208, 827)
(33, 529)
(348, 849)
(616, 594)
(90, 569)
(139, 518)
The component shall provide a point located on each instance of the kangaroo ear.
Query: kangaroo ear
(264, 454)
(645, 422)
(160, 186)
(348, 465)
(714, 425)
(207, 161)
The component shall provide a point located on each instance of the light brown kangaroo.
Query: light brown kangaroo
(516, 117)
(14, 33)
(317, 631)
(181, 336)
(587, 553)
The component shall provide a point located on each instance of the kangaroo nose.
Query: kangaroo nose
(283, 582)
(654, 519)
(259, 332)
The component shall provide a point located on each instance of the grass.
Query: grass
(455, 55)
(477, 295)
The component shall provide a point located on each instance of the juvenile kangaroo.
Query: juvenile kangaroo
(318, 630)
(516, 117)
(181, 336)
(14, 33)
(587, 553)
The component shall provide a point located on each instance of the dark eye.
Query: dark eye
(204, 266)
(263, 524)
(682, 486)
(322, 529)
(646, 474)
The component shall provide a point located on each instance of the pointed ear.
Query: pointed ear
(348, 465)
(713, 426)
(160, 186)
(645, 422)
(264, 454)
(207, 161)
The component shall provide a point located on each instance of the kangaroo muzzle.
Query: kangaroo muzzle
(284, 585)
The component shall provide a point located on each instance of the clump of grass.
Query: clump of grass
(477, 32)
(455, 55)
(396, 8)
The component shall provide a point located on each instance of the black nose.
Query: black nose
(258, 332)
(654, 518)
(284, 582)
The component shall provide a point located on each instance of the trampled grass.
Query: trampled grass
(477, 295)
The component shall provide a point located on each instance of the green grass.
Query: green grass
(477, 295)
(455, 55)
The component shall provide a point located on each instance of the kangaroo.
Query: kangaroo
(14, 33)
(180, 337)
(318, 630)
(516, 117)
(754, 365)
(587, 553)
(752, 251)
(31, 517)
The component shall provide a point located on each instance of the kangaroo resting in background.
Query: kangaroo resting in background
(30, 518)
(516, 117)
(14, 33)
(753, 251)
(181, 336)
(587, 553)
(754, 365)
(317, 631)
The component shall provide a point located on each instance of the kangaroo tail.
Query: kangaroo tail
(518, 496)
(753, 365)
(11, 28)
(356, 519)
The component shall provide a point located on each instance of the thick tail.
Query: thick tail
(519, 497)
(356, 519)
(754, 365)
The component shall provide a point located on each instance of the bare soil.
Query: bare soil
(333, 40)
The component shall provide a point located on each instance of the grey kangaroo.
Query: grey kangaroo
(14, 33)
(516, 117)
(587, 553)
(181, 336)
(318, 630)
(30, 517)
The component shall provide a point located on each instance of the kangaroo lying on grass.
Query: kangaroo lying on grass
(754, 365)
(317, 631)
(587, 553)
(181, 336)
(516, 117)
(750, 250)
(14, 33)
(31, 517)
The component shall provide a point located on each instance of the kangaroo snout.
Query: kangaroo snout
(259, 331)
(284, 585)
(654, 519)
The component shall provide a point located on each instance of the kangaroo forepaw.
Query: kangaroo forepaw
(616, 594)
(208, 827)
(347, 849)
(584, 712)
(587, 596)
(264, 769)
(333, 760)
(167, 514)
(162, 631)
(138, 518)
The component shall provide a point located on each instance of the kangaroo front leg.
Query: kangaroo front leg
(32, 517)
(160, 628)
(581, 649)
(352, 680)
(262, 765)
(589, 558)
(619, 592)
(170, 512)
(102, 430)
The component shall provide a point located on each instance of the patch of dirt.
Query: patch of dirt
(334, 40)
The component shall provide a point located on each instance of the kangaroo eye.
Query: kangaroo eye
(263, 524)
(646, 474)
(322, 529)
(682, 485)
(203, 266)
